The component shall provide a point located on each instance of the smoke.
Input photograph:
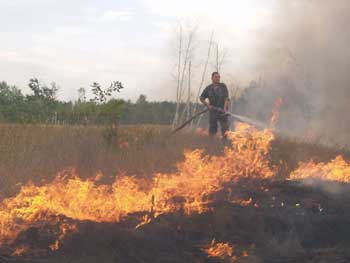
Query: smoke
(305, 59)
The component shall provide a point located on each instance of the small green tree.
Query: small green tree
(108, 109)
(111, 111)
(42, 104)
(11, 103)
(102, 96)
(81, 94)
(42, 91)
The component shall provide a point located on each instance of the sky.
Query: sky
(77, 42)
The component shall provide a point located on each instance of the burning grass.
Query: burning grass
(39, 153)
(238, 197)
(197, 178)
(337, 170)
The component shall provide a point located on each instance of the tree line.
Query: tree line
(43, 107)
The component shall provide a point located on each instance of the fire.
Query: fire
(336, 170)
(189, 189)
(146, 219)
(276, 112)
(20, 250)
(220, 250)
(243, 202)
(223, 251)
(64, 230)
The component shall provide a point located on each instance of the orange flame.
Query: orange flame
(189, 189)
(276, 113)
(220, 250)
(20, 250)
(243, 202)
(337, 170)
(223, 251)
(64, 230)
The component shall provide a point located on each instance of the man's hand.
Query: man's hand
(203, 100)
(226, 105)
(210, 107)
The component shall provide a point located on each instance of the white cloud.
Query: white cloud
(110, 16)
(84, 46)
(73, 70)
(63, 35)
(165, 27)
(249, 12)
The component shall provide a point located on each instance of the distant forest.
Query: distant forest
(42, 107)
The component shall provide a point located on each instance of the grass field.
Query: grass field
(38, 153)
(275, 220)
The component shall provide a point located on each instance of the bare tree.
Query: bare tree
(299, 67)
(187, 110)
(178, 76)
(219, 57)
(185, 72)
(182, 66)
(204, 73)
(188, 104)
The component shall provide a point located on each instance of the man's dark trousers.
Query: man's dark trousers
(214, 118)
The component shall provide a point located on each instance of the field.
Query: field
(38, 153)
(137, 194)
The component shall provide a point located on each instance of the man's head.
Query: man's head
(215, 77)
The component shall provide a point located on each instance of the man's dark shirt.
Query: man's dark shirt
(217, 96)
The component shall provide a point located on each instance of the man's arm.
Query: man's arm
(227, 99)
(203, 98)
(226, 104)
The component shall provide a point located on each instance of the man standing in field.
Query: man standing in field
(218, 97)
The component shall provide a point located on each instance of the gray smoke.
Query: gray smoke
(305, 59)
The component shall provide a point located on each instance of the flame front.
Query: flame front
(189, 189)
(337, 170)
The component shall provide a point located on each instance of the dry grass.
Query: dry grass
(38, 153)
(278, 234)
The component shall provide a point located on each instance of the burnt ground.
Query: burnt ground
(284, 222)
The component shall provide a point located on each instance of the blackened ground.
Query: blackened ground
(285, 222)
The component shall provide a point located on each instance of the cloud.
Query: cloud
(110, 16)
(164, 26)
(80, 42)
(72, 70)
(236, 23)
(244, 15)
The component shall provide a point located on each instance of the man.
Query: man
(217, 94)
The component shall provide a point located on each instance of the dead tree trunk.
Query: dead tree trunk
(203, 74)
(178, 78)
(181, 75)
